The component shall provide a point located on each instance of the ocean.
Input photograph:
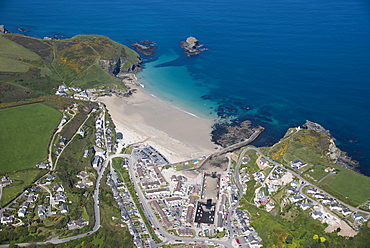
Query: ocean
(277, 63)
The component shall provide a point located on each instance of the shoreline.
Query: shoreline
(177, 134)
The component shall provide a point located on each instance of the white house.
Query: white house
(317, 214)
(319, 196)
(312, 190)
(22, 212)
(7, 219)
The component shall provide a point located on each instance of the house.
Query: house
(346, 211)
(58, 187)
(5, 183)
(359, 217)
(43, 166)
(317, 214)
(297, 164)
(32, 197)
(306, 206)
(97, 161)
(22, 212)
(63, 142)
(271, 188)
(7, 219)
(50, 177)
(319, 195)
(63, 209)
(80, 223)
(82, 175)
(335, 207)
(270, 206)
(42, 211)
(296, 198)
(86, 153)
(81, 132)
(60, 197)
(312, 191)
(326, 200)
(291, 190)
(294, 184)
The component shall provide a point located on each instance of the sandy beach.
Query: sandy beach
(143, 118)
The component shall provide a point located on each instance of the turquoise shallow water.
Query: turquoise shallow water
(277, 63)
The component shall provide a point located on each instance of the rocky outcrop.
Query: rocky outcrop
(340, 157)
(145, 47)
(316, 127)
(334, 153)
(192, 46)
(3, 30)
(227, 134)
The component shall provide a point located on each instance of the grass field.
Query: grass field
(25, 132)
(10, 49)
(348, 186)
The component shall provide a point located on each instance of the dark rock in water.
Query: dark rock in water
(225, 134)
(23, 30)
(246, 107)
(3, 30)
(191, 46)
(145, 47)
(206, 97)
(146, 42)
(359, 153)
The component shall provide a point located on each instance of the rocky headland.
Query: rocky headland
(334, 153)
(192, 46)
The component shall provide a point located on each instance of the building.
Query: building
(22, 212)
(7, 219)
(63, 209)
(297, 164)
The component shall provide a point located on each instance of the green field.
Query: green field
(25, 132)
(348, 186)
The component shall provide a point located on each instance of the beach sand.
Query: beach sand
(142, 118)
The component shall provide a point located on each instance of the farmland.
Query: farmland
(25, 133)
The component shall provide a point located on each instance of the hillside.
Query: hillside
(32, 67)
(316, 149)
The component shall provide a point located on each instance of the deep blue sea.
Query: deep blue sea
(277, 63)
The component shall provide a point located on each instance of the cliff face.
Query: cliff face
(340, 157)
(115, 66)
(112, 66)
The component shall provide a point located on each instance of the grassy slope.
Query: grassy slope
(42, 65)
(25, 132)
